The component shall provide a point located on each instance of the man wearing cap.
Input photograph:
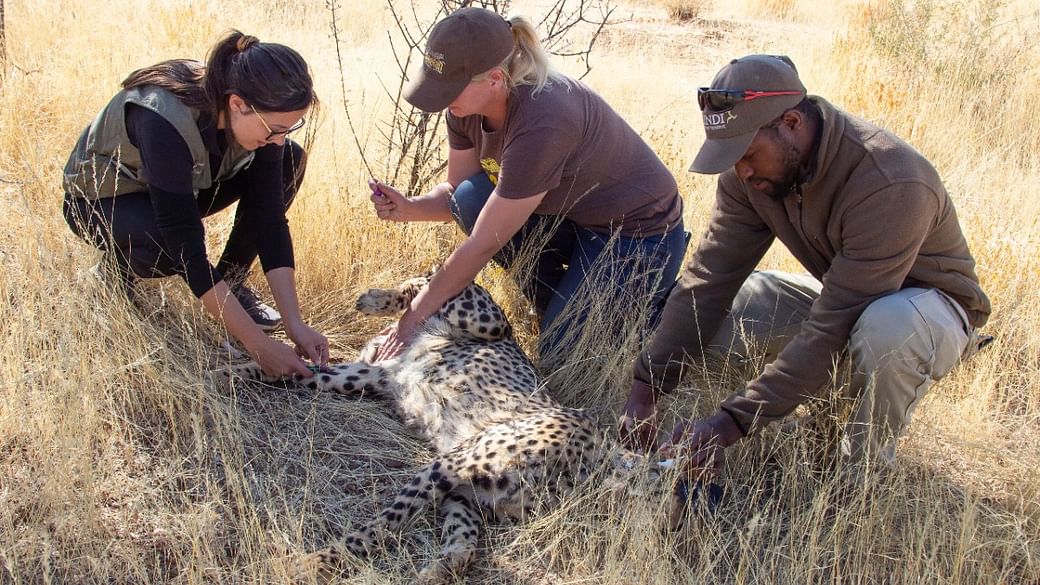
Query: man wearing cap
(538, 161)
(891, 283)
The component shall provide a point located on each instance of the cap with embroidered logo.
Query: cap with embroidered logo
(464, 44)
(762, 87)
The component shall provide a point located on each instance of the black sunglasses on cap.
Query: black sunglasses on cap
(720, 100)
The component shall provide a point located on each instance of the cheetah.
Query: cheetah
(505, 449)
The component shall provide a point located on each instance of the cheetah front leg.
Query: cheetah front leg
(390, 301)
(351, 378)
(472, 312)
(458, 540)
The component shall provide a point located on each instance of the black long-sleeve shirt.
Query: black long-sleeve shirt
(166, 165)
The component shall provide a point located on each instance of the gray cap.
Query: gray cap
(730, 131)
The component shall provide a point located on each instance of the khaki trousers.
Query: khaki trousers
(901, 344)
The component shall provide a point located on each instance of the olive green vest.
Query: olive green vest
(105, 164)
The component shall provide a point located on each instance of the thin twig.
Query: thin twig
(332, 5)
(3, 41)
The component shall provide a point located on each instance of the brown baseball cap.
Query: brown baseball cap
(464, 44)
(761, 88)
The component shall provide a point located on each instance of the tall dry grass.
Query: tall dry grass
(119, 462)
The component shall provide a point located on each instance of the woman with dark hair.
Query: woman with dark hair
(537, 161)
(181, 141)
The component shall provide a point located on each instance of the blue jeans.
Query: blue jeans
(575, 264)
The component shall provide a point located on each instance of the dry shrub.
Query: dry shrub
(958, 66)
(686, 10)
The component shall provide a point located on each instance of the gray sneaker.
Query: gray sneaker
(265, 316)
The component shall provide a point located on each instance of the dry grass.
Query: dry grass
(119, 463)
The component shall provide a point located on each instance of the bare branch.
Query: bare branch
(333, 5)
(3, 42)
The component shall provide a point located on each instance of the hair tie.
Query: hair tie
(245, 42)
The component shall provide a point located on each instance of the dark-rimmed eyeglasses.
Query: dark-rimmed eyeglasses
(272, 134)
(719, 100)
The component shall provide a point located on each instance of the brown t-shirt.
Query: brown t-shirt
(568, 142)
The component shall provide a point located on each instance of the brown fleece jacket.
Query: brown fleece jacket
(872, 218)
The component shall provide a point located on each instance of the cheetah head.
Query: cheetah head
(636, 476)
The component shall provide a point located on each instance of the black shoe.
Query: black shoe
(265, 316)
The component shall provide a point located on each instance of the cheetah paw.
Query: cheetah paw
(380, 301)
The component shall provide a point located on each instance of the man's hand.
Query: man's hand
(637, 426)
(699, 446)
(389, 203)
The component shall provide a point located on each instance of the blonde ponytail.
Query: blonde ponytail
(529, 63)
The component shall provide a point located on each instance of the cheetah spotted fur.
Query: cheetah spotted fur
(504, 448)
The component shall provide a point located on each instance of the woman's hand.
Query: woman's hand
(399, 336)
(309, 344)
(277, 359)
(389, 203)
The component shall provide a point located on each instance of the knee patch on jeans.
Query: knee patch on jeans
(915, 323)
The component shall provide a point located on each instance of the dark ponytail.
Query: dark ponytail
(268, 76)
(181, 77)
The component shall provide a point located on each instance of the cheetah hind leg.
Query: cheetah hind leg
(249, 371)
(459, 532)
(429, 486)
(350, 379)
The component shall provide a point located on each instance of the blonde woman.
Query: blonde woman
(531, 148)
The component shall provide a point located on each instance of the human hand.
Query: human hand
(399, 336)
(637, 426)
(389, 203)
(277, 359)
(309, 344)
(699, 446)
